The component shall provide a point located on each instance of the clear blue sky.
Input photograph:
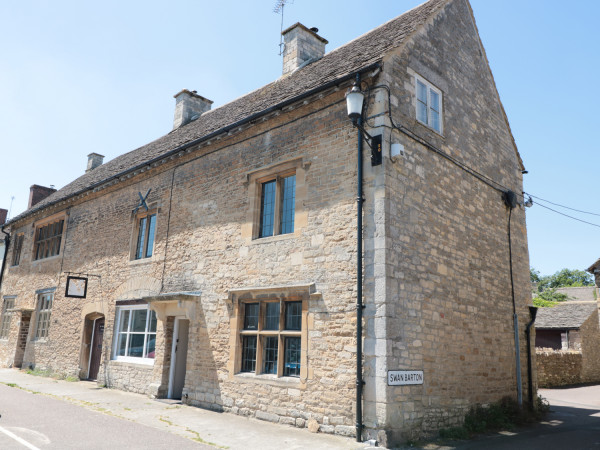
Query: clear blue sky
(78, 77)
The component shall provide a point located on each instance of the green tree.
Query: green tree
(570, 278)
(546, 295)
(534, 275)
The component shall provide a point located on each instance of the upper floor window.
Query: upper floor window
(44, 309)
(9, 303)
(277, 205)
(48, 239)
(276, 200)
(136, 334)
(145, 236)
(17, 249)
(429, 104)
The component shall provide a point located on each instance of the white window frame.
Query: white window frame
(119, 316)
(430, 88)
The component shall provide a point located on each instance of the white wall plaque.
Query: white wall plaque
(404, 377)
(76, 287)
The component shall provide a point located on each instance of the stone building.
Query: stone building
(218, 263)
(567, 341)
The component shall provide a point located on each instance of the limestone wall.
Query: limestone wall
(436, 277)
(590, 349)
(204, 243)
(558, 367)
(442, 283)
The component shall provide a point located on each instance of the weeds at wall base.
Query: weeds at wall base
(50, 374)
(503, 415)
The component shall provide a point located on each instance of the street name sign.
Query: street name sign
(404, 377)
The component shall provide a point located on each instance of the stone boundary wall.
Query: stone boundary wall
(558, 367)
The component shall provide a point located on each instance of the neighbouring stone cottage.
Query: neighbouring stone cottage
(217, 264)
(567, 341)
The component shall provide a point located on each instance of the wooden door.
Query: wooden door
(95, 357)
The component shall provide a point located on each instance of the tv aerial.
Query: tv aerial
(278, 9)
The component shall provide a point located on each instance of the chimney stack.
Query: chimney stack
(189, 106)
(94, 160)
(3, 214)
(38, 193)
(302, 45)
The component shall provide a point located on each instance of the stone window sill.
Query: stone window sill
(271, 380)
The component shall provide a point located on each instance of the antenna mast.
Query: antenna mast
(10, 207)
(278, 8)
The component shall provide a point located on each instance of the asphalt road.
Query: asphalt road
(39, 421)
(573, 424)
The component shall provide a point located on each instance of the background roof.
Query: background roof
(565, 315)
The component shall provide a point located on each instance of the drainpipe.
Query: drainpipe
(359, 276)
(6, 245)
(510, 199)
(532, 314)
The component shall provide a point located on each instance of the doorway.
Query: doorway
(22, 339)
(96, 349)
(178, 358)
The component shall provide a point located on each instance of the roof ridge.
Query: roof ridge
(442, 3)
(337, 64)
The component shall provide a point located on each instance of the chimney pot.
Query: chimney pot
(189, 106)
(38, 193)
(302, 45)
(94, 160)
(3, 214)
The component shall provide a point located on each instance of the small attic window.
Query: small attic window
(428, 104)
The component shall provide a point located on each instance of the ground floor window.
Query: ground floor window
(270, 337)
(135, 339)
(44, 310)
(8, 304)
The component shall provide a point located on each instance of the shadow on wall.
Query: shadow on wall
(201, 380)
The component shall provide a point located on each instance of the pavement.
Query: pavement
(573, 423)
(218, 430)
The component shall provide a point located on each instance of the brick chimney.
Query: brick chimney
(3, 214)
(38, 193)
(301, 46)
(94, 160)
(189, 106)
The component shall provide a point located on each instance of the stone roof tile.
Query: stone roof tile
(565, 315)
(346, 60)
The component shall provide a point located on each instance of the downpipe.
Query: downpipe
(510, 199)
(532, 314)
(359, 287)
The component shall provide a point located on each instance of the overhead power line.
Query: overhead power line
(562, 206)
(566, 215)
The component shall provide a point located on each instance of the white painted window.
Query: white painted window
(429, 104)
(135, 337)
